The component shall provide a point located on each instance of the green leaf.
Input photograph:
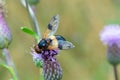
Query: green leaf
(30, 32)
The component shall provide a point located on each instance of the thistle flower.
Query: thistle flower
(5, 34)
(37, 58)
(110, 36)
(51, 68)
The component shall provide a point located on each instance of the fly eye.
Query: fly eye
(42, 43)
(50, 40)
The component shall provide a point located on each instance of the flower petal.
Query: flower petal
(110, 34)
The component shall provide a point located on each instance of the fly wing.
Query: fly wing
(65, 45)
(52, 27)
(58, 42)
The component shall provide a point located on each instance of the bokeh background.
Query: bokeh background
(80, 22)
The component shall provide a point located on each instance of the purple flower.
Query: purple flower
(110, 36)
(45, 55)
(37, 58)
(46, 59)
(5, 33)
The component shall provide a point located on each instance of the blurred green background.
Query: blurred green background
(80, 22)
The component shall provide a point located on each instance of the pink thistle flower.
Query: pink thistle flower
(46, 59)
(5, 33)
(110, 36)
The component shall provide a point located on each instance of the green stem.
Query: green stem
(36, 28)
(34, 19)
(115, 72)
(10, 69)
(13, 74)
(10, 64)
(41, 76)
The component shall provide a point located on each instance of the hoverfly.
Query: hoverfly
(50, 41)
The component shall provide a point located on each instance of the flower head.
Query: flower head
(110, 36)
(46, 59)
(37, 58)
(5, 33)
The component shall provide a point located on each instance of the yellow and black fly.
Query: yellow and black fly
(50, 41)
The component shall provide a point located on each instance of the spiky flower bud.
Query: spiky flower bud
(5, 33)
(110, 36)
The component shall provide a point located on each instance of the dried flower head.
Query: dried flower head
(110, 36)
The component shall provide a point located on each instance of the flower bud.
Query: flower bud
(113, 54)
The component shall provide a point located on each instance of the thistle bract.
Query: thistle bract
(52, 70)
(110, 36)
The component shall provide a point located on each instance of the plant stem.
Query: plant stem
(34, 19)
(12, 71)
(115, 72)
(36, 27)
(10, 63)
(41, 76)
